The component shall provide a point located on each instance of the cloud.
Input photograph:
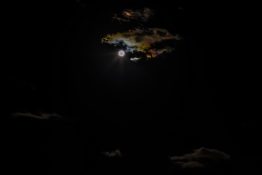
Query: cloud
(191, 164)
(135, 59)
(201, 158)
(41, 116)
(128, 15)
(150, 42)
(112, 154)
(142, 41)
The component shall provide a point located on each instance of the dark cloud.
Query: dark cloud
(192, 164)
(41, 116)
(128, 15)
(113, 154)
(201, 158)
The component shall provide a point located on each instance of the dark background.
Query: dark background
(203, 94)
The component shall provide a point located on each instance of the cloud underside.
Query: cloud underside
(150, 42)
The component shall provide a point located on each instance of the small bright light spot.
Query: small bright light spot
(121, 53)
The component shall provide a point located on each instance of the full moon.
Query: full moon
(121, 53)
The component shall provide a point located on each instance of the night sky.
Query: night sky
(72, 105)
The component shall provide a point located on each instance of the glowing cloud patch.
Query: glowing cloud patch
(144, 41)
(135, 59)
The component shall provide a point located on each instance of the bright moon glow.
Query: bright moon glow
(121, 53)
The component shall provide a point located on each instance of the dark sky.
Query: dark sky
(202, 94)
(59, 53)
(60, 65)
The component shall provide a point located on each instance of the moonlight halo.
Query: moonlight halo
(121, 53)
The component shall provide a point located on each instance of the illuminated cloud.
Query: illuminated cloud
(150, 42)
(201, 158)
(128, 15)
(141, 42)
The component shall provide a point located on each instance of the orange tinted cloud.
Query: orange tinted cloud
(142, 40)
